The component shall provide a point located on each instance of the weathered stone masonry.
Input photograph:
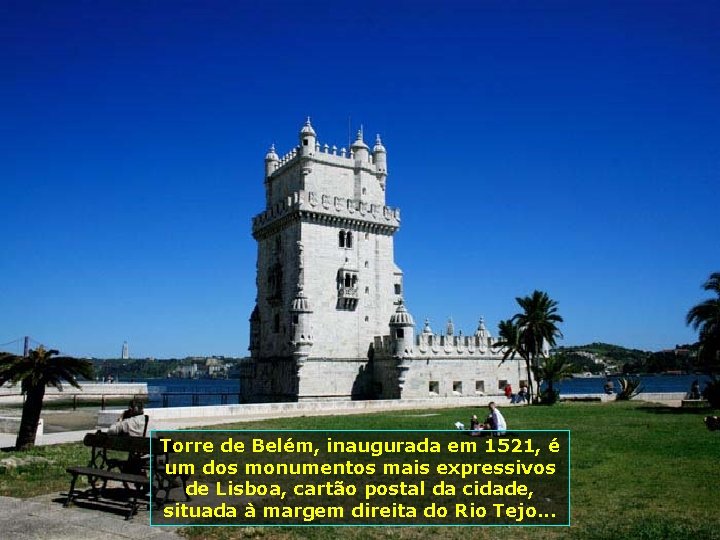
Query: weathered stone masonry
(330, 322)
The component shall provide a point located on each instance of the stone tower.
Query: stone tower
(327, 283)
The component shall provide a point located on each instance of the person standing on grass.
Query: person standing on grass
(496, 419)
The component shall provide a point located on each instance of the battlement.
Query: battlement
(439, 346)
(330, 207)
(324, 153)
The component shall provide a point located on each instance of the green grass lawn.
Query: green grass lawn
(639, 471)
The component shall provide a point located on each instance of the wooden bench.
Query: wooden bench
(132, 472)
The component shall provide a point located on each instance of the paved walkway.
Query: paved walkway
(8, 439)
(44, 518)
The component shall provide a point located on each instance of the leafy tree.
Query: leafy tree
(40, 369)
(705, 319)
(551, 370)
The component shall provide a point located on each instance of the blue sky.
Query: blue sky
(572, 147)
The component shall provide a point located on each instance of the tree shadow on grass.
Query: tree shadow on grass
(675, 411)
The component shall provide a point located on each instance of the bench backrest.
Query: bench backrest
(121, 443)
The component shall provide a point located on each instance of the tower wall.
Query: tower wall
(459, 377)
(332, 202)
(325, 267)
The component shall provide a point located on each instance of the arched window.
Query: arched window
(348, 240)
(341, 239)
(348, 280)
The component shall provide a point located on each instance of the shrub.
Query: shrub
(629, 387)
(549, 396)
(712, 393)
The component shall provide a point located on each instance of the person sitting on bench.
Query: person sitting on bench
(133, 422)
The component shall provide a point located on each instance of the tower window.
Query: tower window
(367, 264)
(367, 290)
(400, 333)
(348, 240)
(341, 239)
(275, 283)
(398, 288)
(305, 142)
(296, 319)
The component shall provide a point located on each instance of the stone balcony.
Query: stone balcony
(347, 298)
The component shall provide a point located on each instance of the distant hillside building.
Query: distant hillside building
(330, 321)
(125, 355)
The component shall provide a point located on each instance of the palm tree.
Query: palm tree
(705, 318)
(509, 340)
(41, 368)
(553, 369)
(537, 325)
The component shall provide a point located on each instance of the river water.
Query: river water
(188, 392)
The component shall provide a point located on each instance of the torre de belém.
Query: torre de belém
(330, 322)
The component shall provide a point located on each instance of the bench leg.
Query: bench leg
(68, 501)
(135, 494)
(132, 512)
(160, 501)
(94, 491)
(184, 487)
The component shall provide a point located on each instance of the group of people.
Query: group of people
(521, 397)
(494, 422)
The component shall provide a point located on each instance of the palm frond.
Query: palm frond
(42, 368)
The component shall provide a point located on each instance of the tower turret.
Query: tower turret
(307, 139)
(482, 331)
(450, 328)
(380, 160)
(402, 332)
(427, 330)
(360, 150)
(302, 339)
(271, 161)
